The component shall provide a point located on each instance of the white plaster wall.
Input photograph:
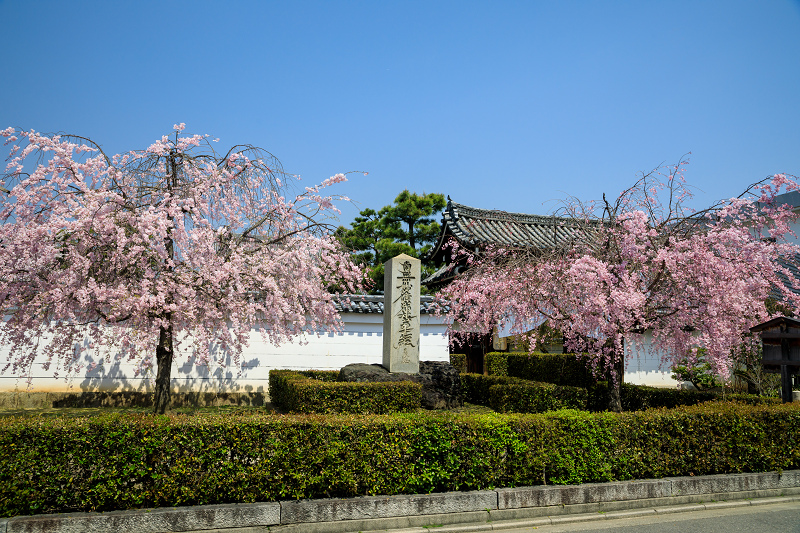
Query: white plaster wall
(361, 341)
(643, 366)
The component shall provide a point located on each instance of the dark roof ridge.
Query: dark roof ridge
(498, 214)
(373, 303)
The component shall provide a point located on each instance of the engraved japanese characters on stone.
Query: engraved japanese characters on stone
(406, 315)
(401, 315)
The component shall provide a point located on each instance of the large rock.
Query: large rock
(441, 383)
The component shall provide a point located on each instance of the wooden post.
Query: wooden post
(786, 376)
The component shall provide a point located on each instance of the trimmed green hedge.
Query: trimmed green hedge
(750, 399)
(561, 369)
(475, 387)
(317, 391)
(130, 461)
(641, 397)
(459, 362)
(497, 363)
(512, 395)
(533, 397)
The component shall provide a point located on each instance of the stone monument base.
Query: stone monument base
(441, 383)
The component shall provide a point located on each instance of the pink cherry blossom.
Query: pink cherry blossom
(642, 262)
(143, 250)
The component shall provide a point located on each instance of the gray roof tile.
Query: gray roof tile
(473, 226)
(360, 303)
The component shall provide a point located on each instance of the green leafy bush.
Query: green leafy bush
(459, 362)
(639, 397)
(475, 387)
(696, 371)
(561, 369)
(497, 363)
(512, 395)
(749, 399)
(107, 462)
(534, 397)
(317, 391)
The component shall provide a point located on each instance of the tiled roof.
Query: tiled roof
(358, 303)
(473, 226)
(441, 276)
(793, 266)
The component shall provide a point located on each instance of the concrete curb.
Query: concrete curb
(453, 511)
(591, 517)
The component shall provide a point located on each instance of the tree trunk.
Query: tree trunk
(164, 362)
(615, 374)
(164, 350)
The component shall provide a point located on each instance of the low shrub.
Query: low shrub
(108, 462)
(497, 363)
(459, 362)
(640, 397)
(475, 387)
(749, 399)
(561, 369)
(523, 396)
(512, 395)
(317, 391)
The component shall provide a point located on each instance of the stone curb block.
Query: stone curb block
(790, 478)
(724, 483)
(397, 524)
(544, 496)
(152, 520)
(769, 501)
(591, 517)
(334, 510)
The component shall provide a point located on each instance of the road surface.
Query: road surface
(772, 518)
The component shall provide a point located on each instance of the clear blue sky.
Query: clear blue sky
(504, 105)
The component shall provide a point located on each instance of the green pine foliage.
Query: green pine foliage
(407, 226)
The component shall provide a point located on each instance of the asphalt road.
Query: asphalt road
(772, 518)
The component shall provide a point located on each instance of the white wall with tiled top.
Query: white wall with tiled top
(361, 341)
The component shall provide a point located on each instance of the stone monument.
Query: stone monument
(401, 314)
(441, 383)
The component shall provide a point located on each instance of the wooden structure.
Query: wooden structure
(780, 338)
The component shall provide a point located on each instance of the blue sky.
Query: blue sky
(505, 105)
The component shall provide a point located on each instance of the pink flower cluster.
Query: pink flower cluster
(643, 263)
(114, 249)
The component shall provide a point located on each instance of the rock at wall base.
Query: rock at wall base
(441, 383)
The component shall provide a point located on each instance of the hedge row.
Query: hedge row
(515, 395)
(497, 364)
(512, 395)
(130, 461)
(562, 369)
(459, 362)
(568, 370)
(640, 397)
(317, 391)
